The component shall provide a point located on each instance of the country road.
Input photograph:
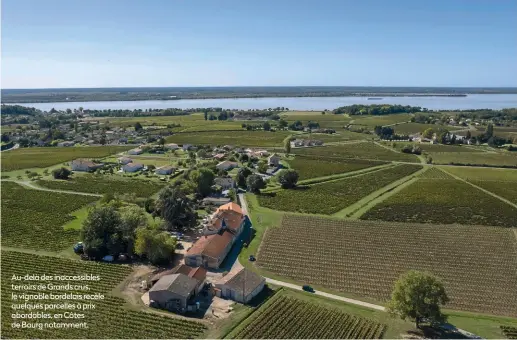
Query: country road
(35, 187)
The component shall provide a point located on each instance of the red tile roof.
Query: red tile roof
(211, 245)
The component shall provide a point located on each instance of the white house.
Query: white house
(240, 285)
(124, 160)
(171, 146)
(225, 182)
(187, 147)
(132, 167)
(84, 165)
(165, 170)
(227, 165)
(136, 151)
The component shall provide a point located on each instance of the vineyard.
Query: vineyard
(43, 157)
(311, 167)
(435, 173)
(105, 184)
(483, 174)
(34, 219)
(331, 197)
(474, 158)
(286, 317)
(242, 138)
(357, 150)
(110, 319)
(444, 201)
(509, 332)
(477, 264)
(504, 189)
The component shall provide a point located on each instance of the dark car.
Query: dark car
(78, 248)
(308, 288)
(252, 258)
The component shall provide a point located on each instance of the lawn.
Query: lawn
(333, 196)
(103, 184)
(310, 167)
(364, 258)
(34, 219)
(444, 201)
(241, 138)
(109, 319)
(44, 157)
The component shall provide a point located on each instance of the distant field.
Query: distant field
(483, 174)
(105, 184)
(504, 189)
(109, 320)
(310, 167)
(444, 201)
(242, 138)
(435, 173)
(286, 317)
(43, 157)
(381, 120)
(477, 264)
(426, 147)
(358, 150)
(411, 128)
(34, 219)
(474, 158)
(330, 197)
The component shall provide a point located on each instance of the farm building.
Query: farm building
(165, 170)
(173, 292)
(210, 250)
(187, 147)
(124, 160)
(171, 146)
(217, 201)
(229, 216)
(84, 165)
(274, 160)
(136, 151)
(225, 182)
(66, 144)
(227, 165)
(241, 285)
(198, 273)
(219, 156)
(132, 167)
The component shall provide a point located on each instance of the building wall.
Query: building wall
(193, 260)
(162, 297)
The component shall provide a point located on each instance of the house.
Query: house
(274, 160)
(136, 151)
(171, 146)
(187, 147)
(66, 144)
(241, 285)
(124, 160)
(198, 273)
(210, 250)
(225, 182)
(217, 201)
(173, 292)
(219, 156)
(227, 217)
(132, 167)
(228, 147)
(165, 170)
(84, 165)
(227, 165)
(262, 153)
(297, 143)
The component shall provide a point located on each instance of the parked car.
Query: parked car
(78, 248)
(252, 258)
(308, 288)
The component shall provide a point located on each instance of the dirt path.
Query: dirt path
(31, 185)
(482, 189)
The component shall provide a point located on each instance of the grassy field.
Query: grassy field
(110, 319)
(310, 167)
(444, 201)
(34, 219)
(105, 184)
(383, 120)
(242, 138)
(288, 317)
(331, 197)
(474, 158)
(43, 157)
(477, 264)
(411, 128)
(357, 150)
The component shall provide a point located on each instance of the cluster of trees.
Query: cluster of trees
(387, 132)
(509, 114)
(358, 109)
(414, 149)
(61, 173)
(18, 110)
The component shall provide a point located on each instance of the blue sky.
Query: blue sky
(111, 43)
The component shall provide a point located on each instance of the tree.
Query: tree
(468, 136)
(175, 208)
(255, 183)
(203, 179)
(138, 126)
(262, 167)
(149, 205)
(99, 232)
(5, 137)
(157, 245)
(418, 295)
(287, 144)
(132, 217)
(282, 123)
(288, 178)
(161, 141)
(206, 115)
(489, 131)
(428, 133)
(242, 175)
(61, 173)
(266, 126)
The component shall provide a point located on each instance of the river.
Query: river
(472, 101)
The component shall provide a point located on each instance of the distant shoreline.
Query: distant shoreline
(55, 99)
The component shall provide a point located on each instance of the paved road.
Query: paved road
(35, 187)
(327, 295)
(244, 204)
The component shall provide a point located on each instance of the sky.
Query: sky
(137, 43)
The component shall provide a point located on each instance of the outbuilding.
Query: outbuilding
(173, 292)
(241, 285)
